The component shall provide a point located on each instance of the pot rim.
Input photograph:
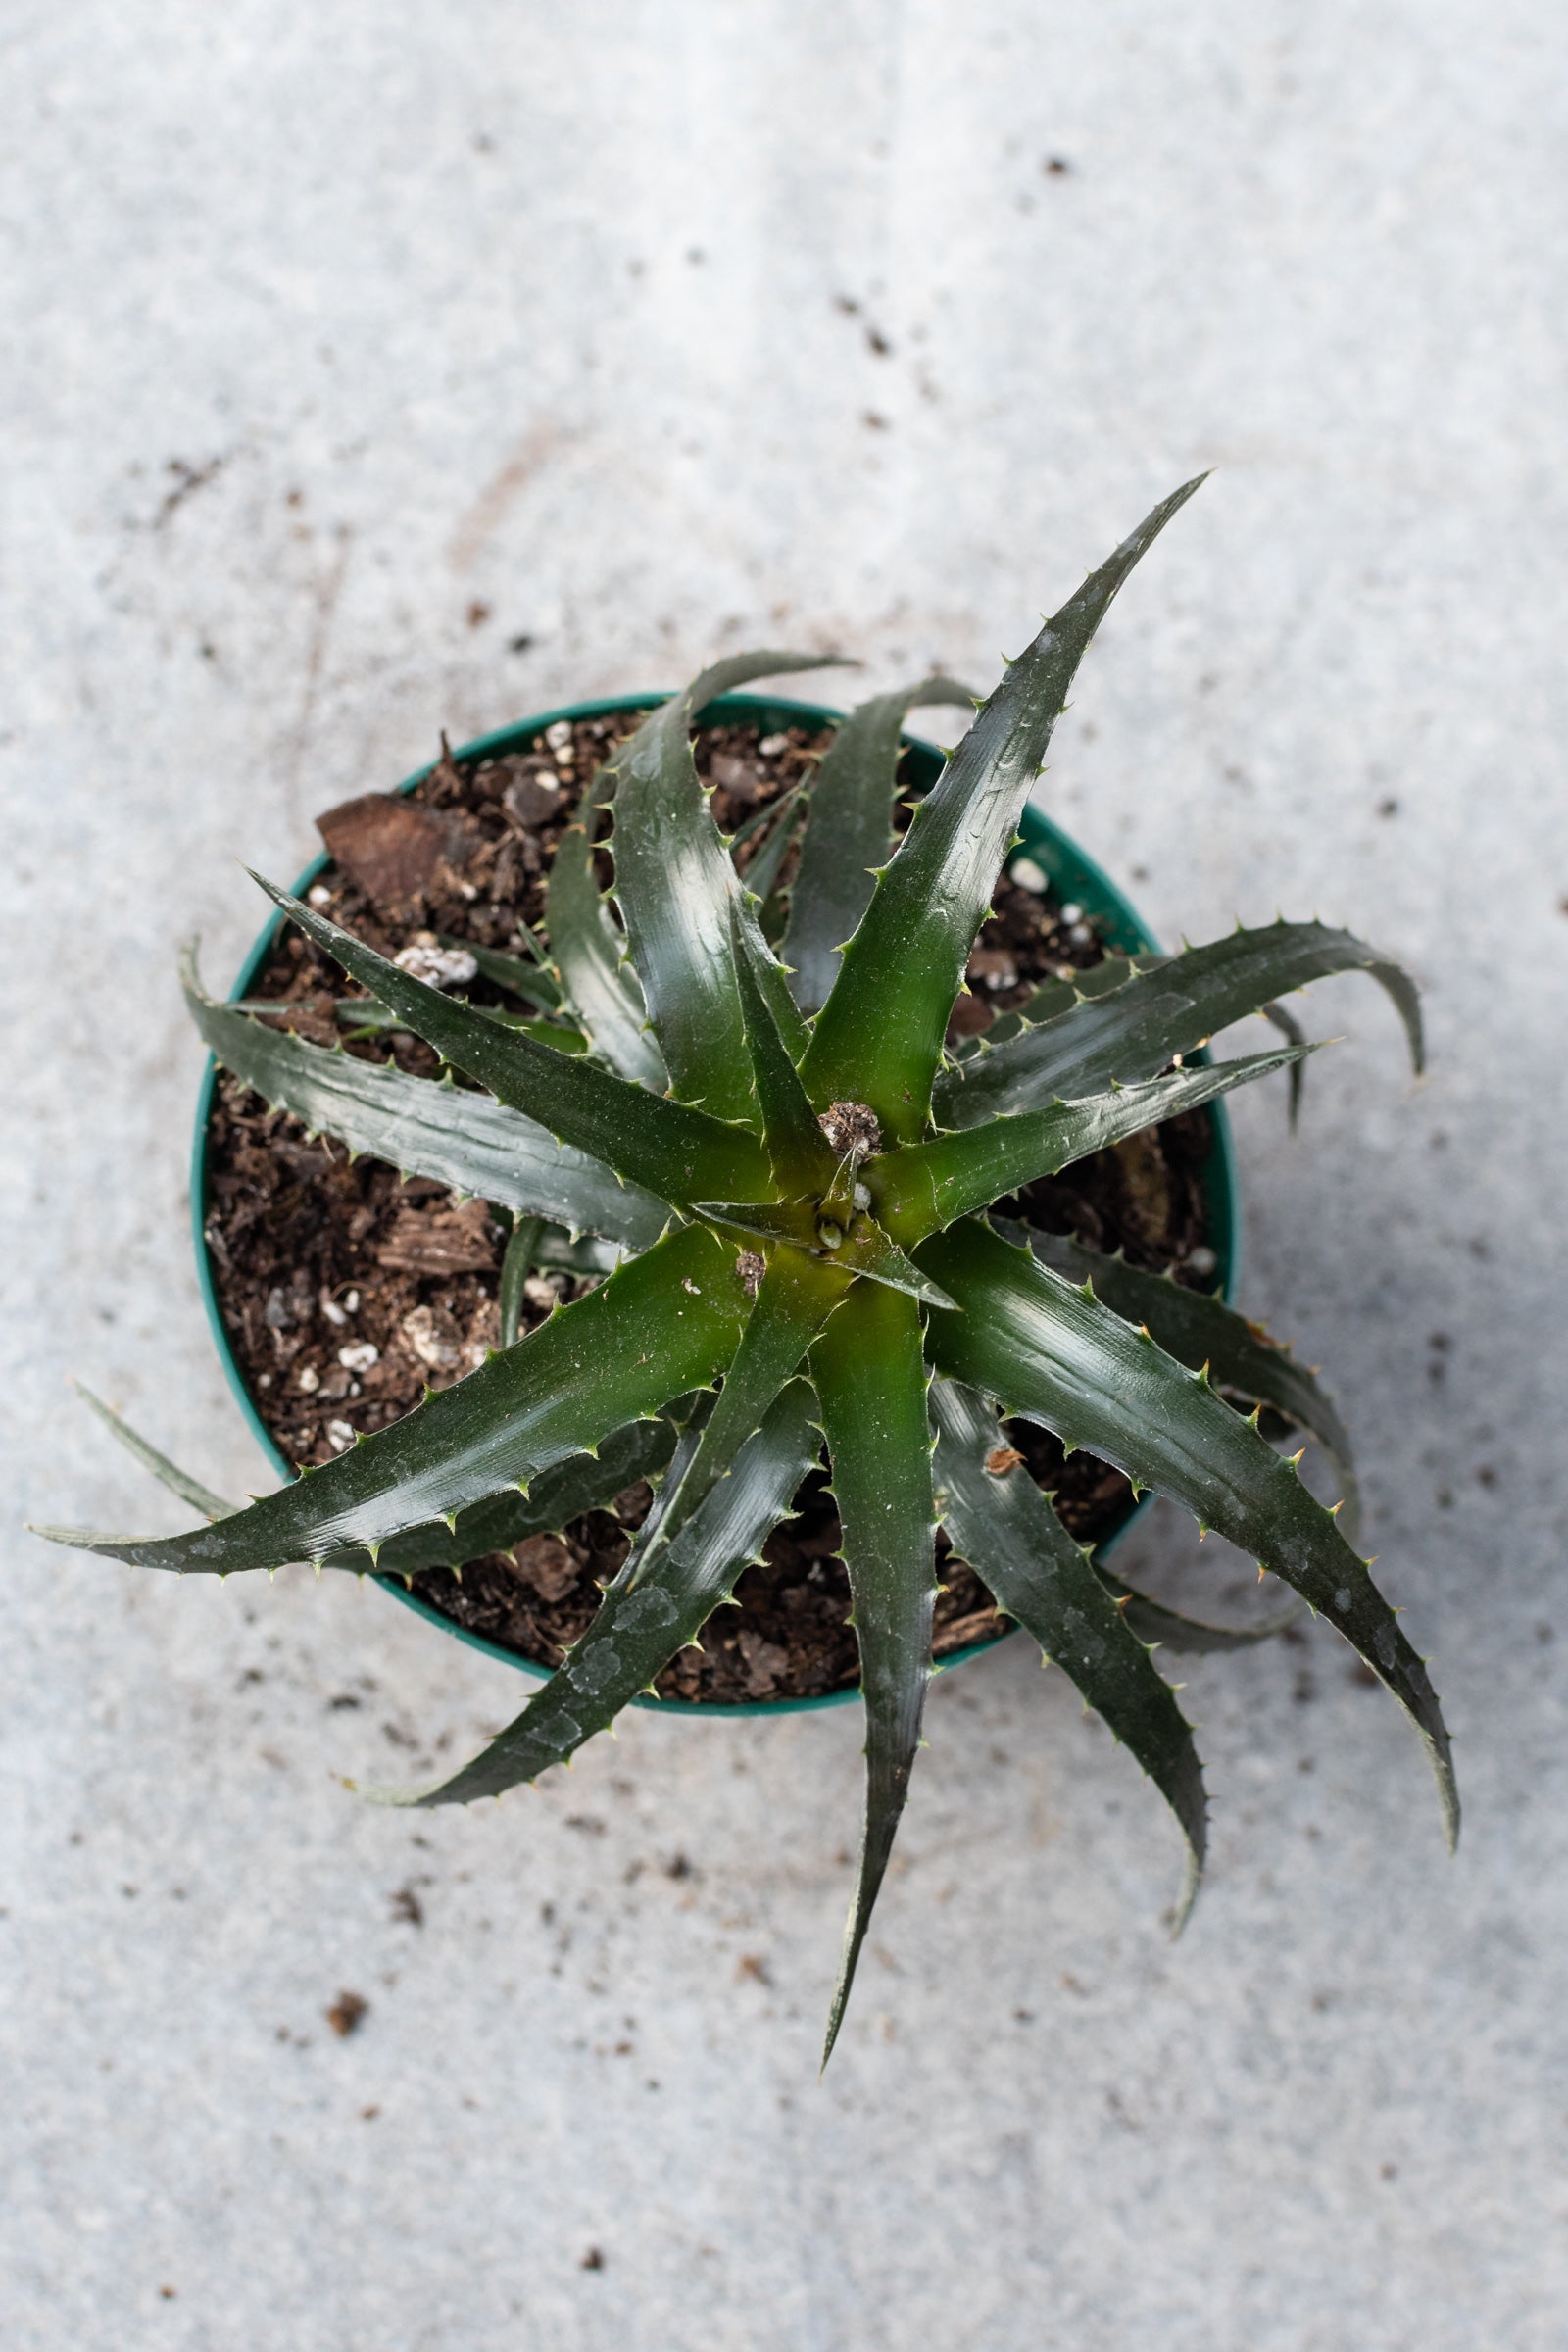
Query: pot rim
(1072, 874)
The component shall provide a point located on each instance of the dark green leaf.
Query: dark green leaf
(665, 1146)
(674, 884)
(871, 1379)
(1055, 1354)
(803, 1160)
(178, 1482)
(556, 1249)
(1155, 1621)
(590, 956)
(1136, 1029)
(848, 833)
(425, 1129)
(920, 1187)
(767, 862)
(364, 1016)
(584, 1481)
(1199, 1331)
(515, 1267)
(1055, 998)
(637, 1631)
(796, 1297)
(665, 1323)
(1006, 1528)
(879, 1036)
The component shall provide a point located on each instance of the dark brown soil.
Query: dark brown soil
(346, 1290)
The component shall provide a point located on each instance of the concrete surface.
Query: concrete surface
(351, 347)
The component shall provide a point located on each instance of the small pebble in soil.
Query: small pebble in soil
(559, 737)
(439, 968)
(360, 1357)
(308, 1380)
(772, 745)
(1070, 913)
(1028, 876)
(321, 896)
(340, 1435)
(1201, 1260)
(332, 1311)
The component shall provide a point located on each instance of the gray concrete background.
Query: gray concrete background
(328, 328)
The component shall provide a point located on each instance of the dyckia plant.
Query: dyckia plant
(798, 1179)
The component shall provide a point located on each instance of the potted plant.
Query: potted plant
(795, 1131)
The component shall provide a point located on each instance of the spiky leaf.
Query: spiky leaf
(590, 956)
(637, 1631)
(1159, 1624)
(871, 1378)
(515, 1266)
(919, 1189)
(675, 885)
(1201, 1331)
(803, 1160)
(665, 1146)
(664, 1324)
(425, 1129)
(168, 1474)
(766, 861)
(795, 1299)
(848, 833)
(584, 1481)
(1053, 1353)
(1134, 1030)
(1006, 1528)
(879, 1039)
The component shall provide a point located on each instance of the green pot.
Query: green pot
(1072, 877)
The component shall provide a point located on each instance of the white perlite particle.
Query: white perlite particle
(438, 968)
(342, 1435)
(430, 1343)
(1028, 876)
(360, 1357)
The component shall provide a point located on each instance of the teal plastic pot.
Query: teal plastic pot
(1072, 876)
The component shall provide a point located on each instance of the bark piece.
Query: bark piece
(440, 1240)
